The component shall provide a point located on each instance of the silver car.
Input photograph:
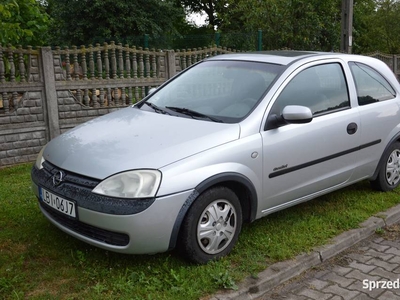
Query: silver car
(229, 140)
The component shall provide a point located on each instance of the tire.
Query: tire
(212, 225)
(389, 171)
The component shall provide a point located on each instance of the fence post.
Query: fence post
(259, 40)
(217, 39)
(395, 65)
(50, 103)
(170, 65)
(146, 41)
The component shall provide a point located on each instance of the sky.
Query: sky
(198, 19)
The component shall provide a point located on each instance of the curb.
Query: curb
(253, 288)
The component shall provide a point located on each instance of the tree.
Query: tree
(23, 22)
(302, 24)
(212, 8)
(388, 20)
(363, 23)
(294, 24)
(90, 21)
(376, 26)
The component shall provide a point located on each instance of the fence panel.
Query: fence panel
(45, 92)
(23, 129)
(391, 60)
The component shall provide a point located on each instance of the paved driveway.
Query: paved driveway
(368, 270)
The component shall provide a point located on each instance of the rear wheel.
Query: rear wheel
(389, 172)
(212, 225)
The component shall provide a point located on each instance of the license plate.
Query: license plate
(58, 203)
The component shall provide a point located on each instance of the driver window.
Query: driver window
(321, 88)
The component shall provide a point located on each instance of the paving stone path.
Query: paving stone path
(369, 270)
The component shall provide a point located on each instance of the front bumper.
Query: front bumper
(144, 232)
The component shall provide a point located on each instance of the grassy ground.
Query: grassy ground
(38, 261)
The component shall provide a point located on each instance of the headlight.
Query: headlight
(131, 184)
(40, 159)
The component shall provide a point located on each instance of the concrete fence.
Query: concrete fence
(392, 60)
(44, 92)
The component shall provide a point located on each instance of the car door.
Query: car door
(379, 115)
(301, 161)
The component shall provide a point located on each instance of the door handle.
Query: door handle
(352, 128)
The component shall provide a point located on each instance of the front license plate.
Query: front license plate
(58, 203)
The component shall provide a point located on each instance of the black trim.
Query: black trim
(233, 177)
(323, 159)
(382, 159)
(179, 219)
(216, 179)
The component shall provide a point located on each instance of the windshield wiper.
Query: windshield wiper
(156, 108)
(193, 113)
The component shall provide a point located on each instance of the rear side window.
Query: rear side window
(371, 86)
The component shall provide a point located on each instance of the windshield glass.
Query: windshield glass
(222, 91)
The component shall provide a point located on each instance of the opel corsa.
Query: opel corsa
(229, 140)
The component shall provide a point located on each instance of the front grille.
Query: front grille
(101, 235)
(70, 177)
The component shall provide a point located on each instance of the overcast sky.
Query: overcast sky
(198, 19)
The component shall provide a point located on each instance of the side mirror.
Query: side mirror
(296, 114)
(291, 114)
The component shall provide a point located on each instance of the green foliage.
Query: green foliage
(376, 26)
(23, 22)
(224, 280)
(38, 261)
(364, 17)
(90, 21)
(303, 25)
(388, 20)
(294, 24)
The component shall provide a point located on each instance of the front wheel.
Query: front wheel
(389, 172)
(212, 225)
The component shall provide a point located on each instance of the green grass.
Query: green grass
(38, 261)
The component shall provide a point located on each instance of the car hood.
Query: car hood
(134, 139)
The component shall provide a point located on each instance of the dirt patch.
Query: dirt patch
(392, 233)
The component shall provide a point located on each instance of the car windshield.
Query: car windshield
(219, 91)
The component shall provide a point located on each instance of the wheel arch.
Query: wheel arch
(394, 139)
(238, 183)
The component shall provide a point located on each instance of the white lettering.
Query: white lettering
(381, 284)
(365, 284)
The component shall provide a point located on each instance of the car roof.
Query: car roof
(290, 57)
(282, 57)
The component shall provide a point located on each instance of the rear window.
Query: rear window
(371, 86)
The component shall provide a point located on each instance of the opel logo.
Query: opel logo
(58, 178)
